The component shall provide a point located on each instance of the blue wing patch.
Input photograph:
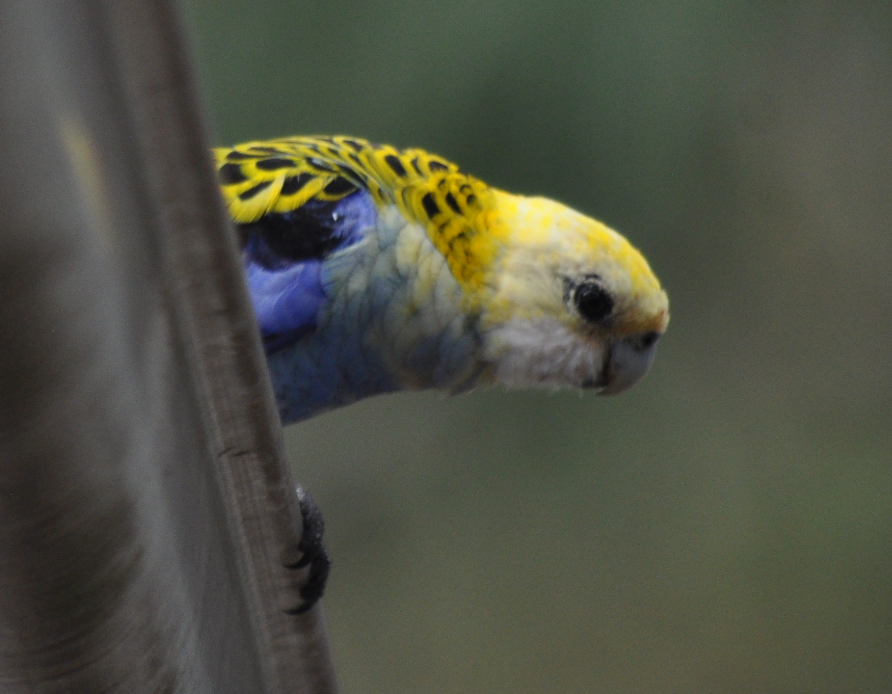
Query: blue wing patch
(283, 255)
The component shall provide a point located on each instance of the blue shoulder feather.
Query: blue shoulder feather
(283, 255)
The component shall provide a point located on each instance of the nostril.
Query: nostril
(647, 340)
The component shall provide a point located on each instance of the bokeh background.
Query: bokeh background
(726, 526)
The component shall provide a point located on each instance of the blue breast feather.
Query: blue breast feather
(284, 256)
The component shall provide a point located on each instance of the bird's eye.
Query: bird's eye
(592, 300)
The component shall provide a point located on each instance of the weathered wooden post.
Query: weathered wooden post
(146, 507)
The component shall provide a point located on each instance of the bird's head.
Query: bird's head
(570, 302)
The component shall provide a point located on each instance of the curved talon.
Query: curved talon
(313, 554)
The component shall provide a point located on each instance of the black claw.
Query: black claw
(312, 552)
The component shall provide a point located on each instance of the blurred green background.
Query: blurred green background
(727, 525)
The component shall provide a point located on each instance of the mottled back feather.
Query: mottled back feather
(283, 176)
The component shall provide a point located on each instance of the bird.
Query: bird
(373, 269)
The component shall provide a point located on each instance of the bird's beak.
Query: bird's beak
(628, 360)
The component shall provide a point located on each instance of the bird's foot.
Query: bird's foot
(312, 553)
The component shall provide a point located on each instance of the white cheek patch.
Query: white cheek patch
(542, 353)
